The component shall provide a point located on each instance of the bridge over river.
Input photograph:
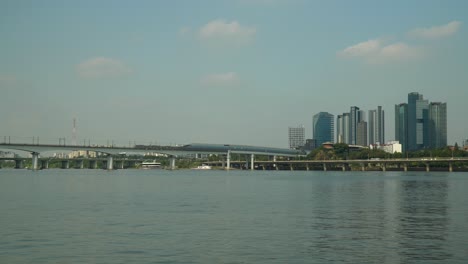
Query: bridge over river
(172, 151)
(427, 164)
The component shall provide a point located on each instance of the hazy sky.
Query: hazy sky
(224, 71)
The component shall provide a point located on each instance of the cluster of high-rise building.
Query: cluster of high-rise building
(418, 125)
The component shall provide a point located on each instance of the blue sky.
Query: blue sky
(238, 71)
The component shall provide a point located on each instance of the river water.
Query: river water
(158, 216)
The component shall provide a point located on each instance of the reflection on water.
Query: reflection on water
(423, 219)
(133, 216)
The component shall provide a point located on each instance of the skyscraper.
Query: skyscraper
(355, 118)
(323, 125)
(342, 128)
(296, 137)
(418, 117)
(401, 125)
(339, 132)
(419, 124)
(376, 125)
(438, 125)
(361, 137)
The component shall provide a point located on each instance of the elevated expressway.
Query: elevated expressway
(172, 151)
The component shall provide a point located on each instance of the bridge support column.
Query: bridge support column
(172, 162)
(384, 166)
(450, 167)
(405, 166)
(428, 169)
(65, 164)
(44, 164)
(110, 162)
(93, 164)
(35, 161)
(307, 167)
(81, 164)
(122, 164)
(324, 167)
(228, 160)
(252, 165)
(291, 167)
(19, 164)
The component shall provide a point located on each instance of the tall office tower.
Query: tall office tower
(346, 126)
(438, 125)
(323, 126)
(339, 130)
(361, 137)
(342, 128)
(418, 118)
(376, 125)
(355, 118)
(401, 125)
(296, 137)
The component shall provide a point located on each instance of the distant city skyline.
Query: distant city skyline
(223, 71)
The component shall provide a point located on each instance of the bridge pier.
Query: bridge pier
(35, 161)
(44, 164)
(122, 164)
(110, 162)
(291, 167)
(65, 164)
(307, 167)
(19, 164)
(450, 167)
(252, 165)
(92, 164)
(324, 167)
(228, 160)
(405, 167)
(172, 163)
(81, 164)
(428, 169)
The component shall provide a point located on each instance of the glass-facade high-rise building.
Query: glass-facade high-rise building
(420, 124)
(418, 118)
(343, 128)
(361, 137)
(376, 124)
(401, 125)
(355, 118)
(323, 127)
(296, 137)
(438, 125)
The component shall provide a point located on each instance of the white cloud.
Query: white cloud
(377, 52)
(220, 79)
(223, 30)
(101, 67)
(436, 31)
(365, 48)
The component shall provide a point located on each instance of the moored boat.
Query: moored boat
(150, 165)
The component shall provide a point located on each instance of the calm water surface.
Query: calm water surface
(136, 216)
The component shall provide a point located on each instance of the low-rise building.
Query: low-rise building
(390, 147)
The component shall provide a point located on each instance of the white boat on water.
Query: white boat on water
(150, 165)
(203, 167)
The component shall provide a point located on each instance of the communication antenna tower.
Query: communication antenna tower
(74, 132)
